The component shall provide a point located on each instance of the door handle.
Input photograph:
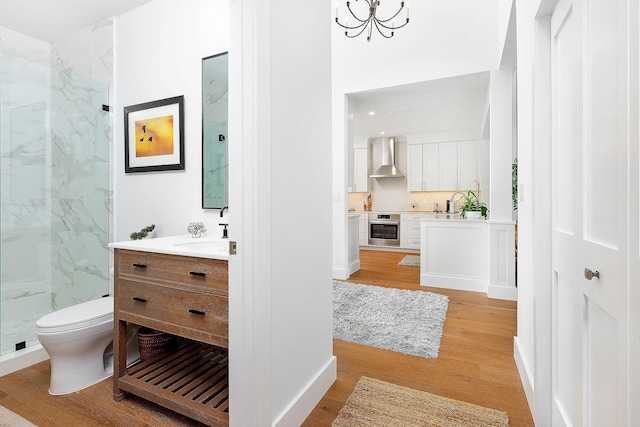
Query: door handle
(588, 274)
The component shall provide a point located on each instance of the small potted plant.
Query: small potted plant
(473, 208)
(196, 229)
(138, 235)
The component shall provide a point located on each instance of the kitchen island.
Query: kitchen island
(469, 255)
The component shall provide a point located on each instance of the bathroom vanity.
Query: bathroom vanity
(176, 285)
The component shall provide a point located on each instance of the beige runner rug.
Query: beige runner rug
(375, 403)
(11, 419)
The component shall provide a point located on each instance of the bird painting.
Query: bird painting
(155, 136)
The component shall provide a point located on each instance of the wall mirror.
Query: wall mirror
(215, 100)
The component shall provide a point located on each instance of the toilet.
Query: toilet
(76, 338)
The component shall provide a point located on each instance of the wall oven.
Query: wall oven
(384, 229)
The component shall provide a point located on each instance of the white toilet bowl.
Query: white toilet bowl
(75, 339)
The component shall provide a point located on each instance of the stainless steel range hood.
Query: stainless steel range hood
(388, 168)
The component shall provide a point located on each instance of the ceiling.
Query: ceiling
(455, 103)
(50, 20)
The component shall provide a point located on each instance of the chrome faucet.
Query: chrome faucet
(454, 203)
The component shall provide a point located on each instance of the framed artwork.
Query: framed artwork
(153, 136)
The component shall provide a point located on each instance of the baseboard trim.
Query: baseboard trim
(459, 283)
(22, 359)
(503, 292)
(354, 266)
(300, 407)
(525, 376)
(340, 273)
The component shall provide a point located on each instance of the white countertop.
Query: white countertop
(452, 218)
(425, 215)
(185, 245)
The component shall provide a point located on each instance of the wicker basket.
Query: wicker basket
(153, 343)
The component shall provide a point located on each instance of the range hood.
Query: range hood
(388, 168)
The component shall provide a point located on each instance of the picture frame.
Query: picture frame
(154, 136)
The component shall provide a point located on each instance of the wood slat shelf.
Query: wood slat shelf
(191, 379)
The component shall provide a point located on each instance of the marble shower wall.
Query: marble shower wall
(25, 196)
(81, 196)
(55, 194)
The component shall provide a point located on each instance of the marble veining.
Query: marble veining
(55, 196)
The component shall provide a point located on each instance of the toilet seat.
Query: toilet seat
(77, 316)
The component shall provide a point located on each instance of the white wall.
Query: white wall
(158, 53)
(281, 120)
(443, 39)
(533, 340)
(23, 46)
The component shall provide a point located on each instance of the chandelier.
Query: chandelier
(385, 27)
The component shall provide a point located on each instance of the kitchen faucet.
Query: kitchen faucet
(222, 210)
(454, 203)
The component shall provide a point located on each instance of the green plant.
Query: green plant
(138, 235)
(471, 203)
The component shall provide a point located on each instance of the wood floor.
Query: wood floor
(475, 365)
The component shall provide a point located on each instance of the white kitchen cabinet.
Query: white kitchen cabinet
(410, 232)
(442, 166)
(448, 166)
(414, 167)
(422, 167)
(361, 178)
(363, 229)
(354, 243)
(467, 165)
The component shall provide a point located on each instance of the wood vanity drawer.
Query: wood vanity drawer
(192, 314)
(202, 272)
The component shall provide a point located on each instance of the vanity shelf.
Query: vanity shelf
(191, 379)
(185, 296)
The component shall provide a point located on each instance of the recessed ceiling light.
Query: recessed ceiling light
(372, 113)
(382, 133)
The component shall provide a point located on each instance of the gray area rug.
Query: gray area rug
(410, 261)
(11, 419)
(408, 322)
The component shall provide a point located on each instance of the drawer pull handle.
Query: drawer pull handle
(138, 299)
(137, 265)
(198, 312)
(197, 273)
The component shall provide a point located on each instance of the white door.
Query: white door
(589, 193)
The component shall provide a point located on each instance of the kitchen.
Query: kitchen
(414, 152)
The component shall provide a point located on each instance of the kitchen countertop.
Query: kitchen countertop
(451, 218)
(428, 215)
(185, 245)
